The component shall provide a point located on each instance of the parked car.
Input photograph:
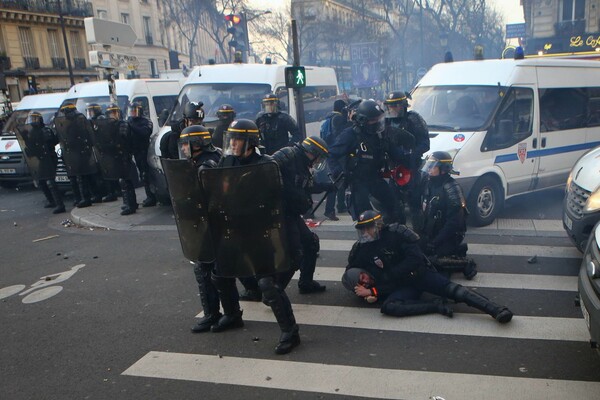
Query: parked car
(582, 198)
(589, 286)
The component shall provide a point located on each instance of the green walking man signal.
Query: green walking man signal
(295, 77)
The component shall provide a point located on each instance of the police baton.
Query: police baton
(340, 176)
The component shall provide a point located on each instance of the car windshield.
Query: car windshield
(244, 97)
(18, 117)
(456, 108)
(82, 102)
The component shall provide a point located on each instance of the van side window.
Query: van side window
(562, 109)
(163, 103)
(594, 106)
(144, 102)
(513, 123)
(318, 101)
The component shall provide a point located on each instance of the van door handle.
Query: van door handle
(543, 142)
(534, 145)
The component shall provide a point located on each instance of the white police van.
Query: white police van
(512, 126)
(13, 168)
(243, 87)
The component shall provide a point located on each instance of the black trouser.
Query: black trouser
(374, 186)
(304, 246)
(209, 296)
(274, 295)
(141, 162)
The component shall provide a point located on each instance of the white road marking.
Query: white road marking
(483, 249)
(347, 380)
(464, 324)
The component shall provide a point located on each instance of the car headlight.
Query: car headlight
(593, 202)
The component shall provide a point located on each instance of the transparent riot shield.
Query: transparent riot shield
(246, 219)
(189, 206)
(37, 148)
(75, 140)
(112, 148)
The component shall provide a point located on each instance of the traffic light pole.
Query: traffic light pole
(298, 92)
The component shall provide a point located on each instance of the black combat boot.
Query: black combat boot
(49, 203)
(57, 196)
(82, 183)
(280, 304)
(471, 298)
(129, 199)
(150, 200)
(209, 297)
(415, 307)
(312, 286)
(228, 294)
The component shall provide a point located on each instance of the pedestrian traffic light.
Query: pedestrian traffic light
(295, 77)
(237, 29)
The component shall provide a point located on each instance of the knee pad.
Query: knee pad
(267, 287)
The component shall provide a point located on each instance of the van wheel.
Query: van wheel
(485, 201)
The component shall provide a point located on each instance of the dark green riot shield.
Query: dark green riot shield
(76, 144)
(189, 205)
(246, 219)
(38, 149)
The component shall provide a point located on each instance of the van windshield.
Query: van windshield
(18, 117)
(82, 102)
(245, 98)
(456, 108)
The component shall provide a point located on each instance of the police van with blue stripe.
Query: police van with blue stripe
(512, 126)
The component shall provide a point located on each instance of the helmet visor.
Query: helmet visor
(430, 164)
(185, 148)
(34, 118)
(369, 233)
(235, 144)
(393, 110)
(270, 107)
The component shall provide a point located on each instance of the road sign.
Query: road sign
(515, 30)
(104, 59)
(295, 77)
(102, 31)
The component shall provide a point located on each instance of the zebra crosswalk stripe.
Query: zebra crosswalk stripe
(348, 380)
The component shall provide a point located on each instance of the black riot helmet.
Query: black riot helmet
(270, 103)
(193, 111)
(242, 135)
(396, 104)
(35, 119)
(68, 109)
(369, 116)
(136, 110)
(369, 225)
(192, 139)
(226, 113)
(93, 110)
(113, 111)
(440, 159)
(318, 148)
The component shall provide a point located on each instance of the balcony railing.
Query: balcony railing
(4, 62)
(79, 63)
(58, 63)
(75, 8)
(570, 28)
(32, 62)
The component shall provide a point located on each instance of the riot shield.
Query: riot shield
(76, 144)
(246, 219)
(38, 151)
(111, 148)
(189, 206)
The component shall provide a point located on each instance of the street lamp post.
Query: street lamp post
(64, 35)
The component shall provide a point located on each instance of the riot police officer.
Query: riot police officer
(243, 137)
(130, 205)
(410, 121)
(193, 114)
(195, 144)
(141, 130)
(364, 152)
(295, 163)
(113, 190)
(226, 115)
(73, 131)
(277, 129)
(37, 142)
(391, 254)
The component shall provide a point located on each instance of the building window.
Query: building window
(28, 49)
(572, 10)
(153, 68)
(102, 14)
(58, 61)
(2, 45)
(76, 50)
(148, 30)
(125, 18)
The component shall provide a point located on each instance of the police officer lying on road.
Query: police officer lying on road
(397, 273)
